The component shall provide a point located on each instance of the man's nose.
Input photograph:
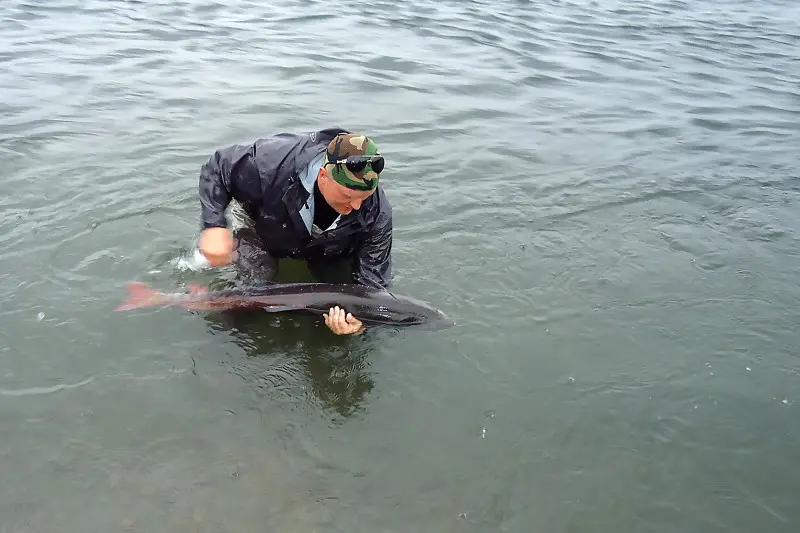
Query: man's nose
(355, 204)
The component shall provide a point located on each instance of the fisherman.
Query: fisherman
(309, 196)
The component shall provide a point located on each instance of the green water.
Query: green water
(603, 195)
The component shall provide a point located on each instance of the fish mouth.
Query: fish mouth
(435, 321)
(445, 322)
(439, 322)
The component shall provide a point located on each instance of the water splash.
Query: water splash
(192, 260)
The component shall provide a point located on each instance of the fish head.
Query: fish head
(408, 311)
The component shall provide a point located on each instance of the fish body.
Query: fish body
(369, 305)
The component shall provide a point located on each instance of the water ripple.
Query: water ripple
(599, 189)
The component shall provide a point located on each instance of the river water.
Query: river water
(603, 195)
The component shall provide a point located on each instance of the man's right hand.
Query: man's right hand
(216, 244)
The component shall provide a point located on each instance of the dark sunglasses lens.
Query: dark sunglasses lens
(359, 166)
(356, 166)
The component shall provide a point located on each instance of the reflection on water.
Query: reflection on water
(292, 355)
(296, 355)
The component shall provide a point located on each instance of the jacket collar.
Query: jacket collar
(308, 178)
(308, 175)
(299, 198)
(315, 143)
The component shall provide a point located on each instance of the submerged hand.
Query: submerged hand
(341, 323)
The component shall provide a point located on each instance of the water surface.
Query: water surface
(602, 194)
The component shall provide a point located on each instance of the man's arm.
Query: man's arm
(373, 266)
(230, 172)
(227, 169)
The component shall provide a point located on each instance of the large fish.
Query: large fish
(371, 306)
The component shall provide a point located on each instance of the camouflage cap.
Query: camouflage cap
(359, 147)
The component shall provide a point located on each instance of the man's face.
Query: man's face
(340, 198)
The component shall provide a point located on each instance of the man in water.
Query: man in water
(313, 197)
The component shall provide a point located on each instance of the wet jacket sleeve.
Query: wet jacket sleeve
(229, 169)
(373, 265)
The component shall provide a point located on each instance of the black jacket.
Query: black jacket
(264, 178)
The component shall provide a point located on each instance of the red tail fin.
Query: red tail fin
(140, 295)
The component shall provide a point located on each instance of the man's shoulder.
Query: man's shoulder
(383, 199)
(294, 148)
(324, 135)
(379, 211)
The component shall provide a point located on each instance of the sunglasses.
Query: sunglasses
(357, 163)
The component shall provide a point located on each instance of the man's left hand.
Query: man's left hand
(342, 323)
